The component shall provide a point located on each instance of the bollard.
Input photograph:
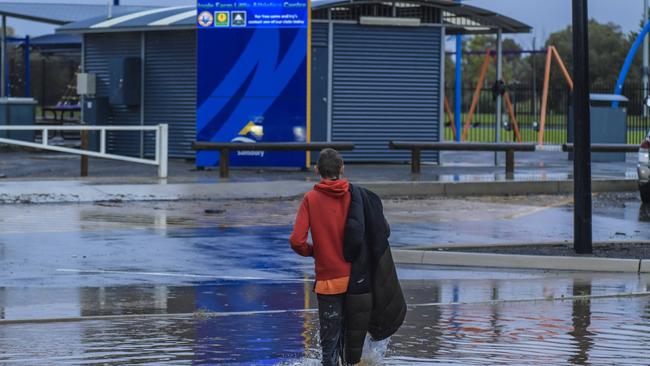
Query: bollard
(162, 150)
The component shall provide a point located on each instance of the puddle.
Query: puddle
(603, 331)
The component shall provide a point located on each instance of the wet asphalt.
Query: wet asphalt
(217, 284)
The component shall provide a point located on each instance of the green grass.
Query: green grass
(551, 136)
(555, 132)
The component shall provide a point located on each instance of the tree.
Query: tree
(608, 47)
(515, 67)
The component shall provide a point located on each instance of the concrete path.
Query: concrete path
(66, 191)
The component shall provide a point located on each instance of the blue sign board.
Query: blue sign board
(252, 78)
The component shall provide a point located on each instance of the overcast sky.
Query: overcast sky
(548, 16)
(545, 16)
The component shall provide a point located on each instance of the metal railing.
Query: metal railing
(161, 151)
(526, 104)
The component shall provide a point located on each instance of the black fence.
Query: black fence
(526, 105)
(51, 76)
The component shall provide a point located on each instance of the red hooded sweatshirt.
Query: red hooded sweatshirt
(324, 210)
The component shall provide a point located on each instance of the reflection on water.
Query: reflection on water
(181, 291)
(253, 324)
(644, 213)
(602, 331)
(498, 177)
(581, 316)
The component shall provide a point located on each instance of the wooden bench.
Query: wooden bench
(627, 148)
(417, 147)
(226, 147)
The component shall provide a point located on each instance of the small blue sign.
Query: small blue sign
(252, 78)
(255, 14)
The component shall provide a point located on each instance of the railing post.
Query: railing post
(224, 163)
(415, 160)
(44, 136)
(163, 147)
(510, 163)
(84, 158)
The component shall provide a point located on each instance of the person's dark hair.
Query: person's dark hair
(329, 163)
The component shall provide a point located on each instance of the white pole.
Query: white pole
(110, 9)
(102, 141)
(163, 135)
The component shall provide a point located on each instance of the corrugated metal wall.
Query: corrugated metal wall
(100, 49)
(319, 80)
(170, 88)
(386, 86)
(319, 35)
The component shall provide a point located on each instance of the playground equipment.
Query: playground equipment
(628, 62)
(551, 52)
(489, 54)
(450, 116)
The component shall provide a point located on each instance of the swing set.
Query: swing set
(551, 53)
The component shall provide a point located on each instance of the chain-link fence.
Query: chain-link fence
(51, 77)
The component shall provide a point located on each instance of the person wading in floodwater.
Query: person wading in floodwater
(350, 249)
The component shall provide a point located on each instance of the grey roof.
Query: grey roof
(61, 44)
(147, 19)
(459, 18)
(61, 13)
(56, 40)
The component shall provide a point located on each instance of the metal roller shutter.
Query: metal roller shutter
(386, 86)
(319, 79)
(319, 34)
(100, 49)
(170, 88)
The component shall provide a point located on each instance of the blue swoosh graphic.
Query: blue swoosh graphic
(270, 78)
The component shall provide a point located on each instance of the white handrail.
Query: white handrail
(162, 142)
(80, 128)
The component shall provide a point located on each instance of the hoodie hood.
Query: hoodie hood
(333, 188)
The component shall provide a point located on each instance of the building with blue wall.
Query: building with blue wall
(377, 71)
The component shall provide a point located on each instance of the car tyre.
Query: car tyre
(644, 190)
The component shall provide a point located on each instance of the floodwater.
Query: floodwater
(172, 284)
(277, 325)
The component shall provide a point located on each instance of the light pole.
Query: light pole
(458, 102)
(499, 117)
(582, 160)
(645, 59)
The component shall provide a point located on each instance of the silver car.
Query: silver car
(643, 169)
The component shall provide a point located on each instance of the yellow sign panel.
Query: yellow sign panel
(221, 19)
